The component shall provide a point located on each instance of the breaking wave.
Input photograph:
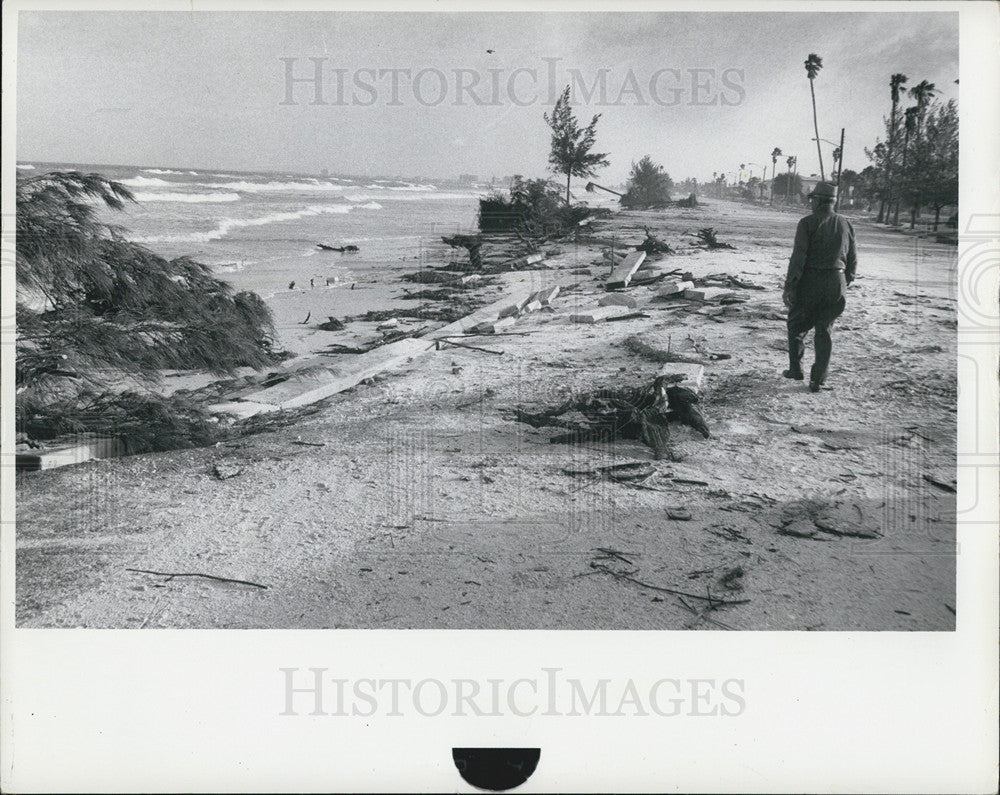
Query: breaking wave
(193, 198)
(166, 171)
(149, 182)
(227, 225)
(277, 187)
(25, 167)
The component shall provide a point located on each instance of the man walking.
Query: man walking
(823, 263)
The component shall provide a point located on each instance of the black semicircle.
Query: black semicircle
(496, 769)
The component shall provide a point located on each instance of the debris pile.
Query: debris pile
(640, 413)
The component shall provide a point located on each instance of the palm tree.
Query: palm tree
(742, 166)
(788, 182)
(813, 64)
(896, 82)
(775, 154)
(910, 125)
(923, 92)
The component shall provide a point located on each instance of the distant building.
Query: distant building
(468, 179)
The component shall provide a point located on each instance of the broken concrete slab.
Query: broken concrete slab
(546, 295)
(617, 299)
(483, 314)
(74, 450)
(674, 288)
(707, 294)
(690, 374)
(622, 274)
(301, 390)
(595, 315)
(493, 326)
(532, 306)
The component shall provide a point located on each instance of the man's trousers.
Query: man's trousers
(819, 301)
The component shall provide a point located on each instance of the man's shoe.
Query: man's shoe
(796, 374)
(814, 386)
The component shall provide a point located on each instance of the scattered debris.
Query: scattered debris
(732, 579)
(170, 575)
(949, 487)
(707, 237)
(617, 299)
(223, 470)
(330, 324)
(652, 245)
(472, 244)
(622, 275)
(640, 413)
(807, 518)
(629, 316)
(637, 345)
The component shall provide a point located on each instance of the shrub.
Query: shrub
(648, 186)
(532, 207)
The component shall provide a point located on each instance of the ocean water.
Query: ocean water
(259, 231)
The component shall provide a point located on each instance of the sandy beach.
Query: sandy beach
(415, 500)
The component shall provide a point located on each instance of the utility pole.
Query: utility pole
(840, 169)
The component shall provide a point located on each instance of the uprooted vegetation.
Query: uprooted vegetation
(99, 318)
(641, 413)
(707, 237)
(532, 208)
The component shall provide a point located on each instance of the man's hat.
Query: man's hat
(824, 190)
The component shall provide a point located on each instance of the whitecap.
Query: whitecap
(193, 198)
(226, 225)
(25, 166)
(277, 187)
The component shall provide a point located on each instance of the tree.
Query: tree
(896, 82)
(570, 153)
(99, 314)
(941, 167)
(813, 64)
(789, 184)
(910, 127)
(775, 154)
(790, 162)
(648, 185)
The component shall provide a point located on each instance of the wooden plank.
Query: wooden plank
(622, 275)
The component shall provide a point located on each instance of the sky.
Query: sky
(386, 94)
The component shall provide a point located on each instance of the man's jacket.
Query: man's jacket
(823, 242)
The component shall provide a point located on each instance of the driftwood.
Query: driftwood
(170, 575)
(637, 345)
(341, 249)
(640, 413)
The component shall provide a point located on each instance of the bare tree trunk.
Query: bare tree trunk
(819, 151)
(568, 174)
